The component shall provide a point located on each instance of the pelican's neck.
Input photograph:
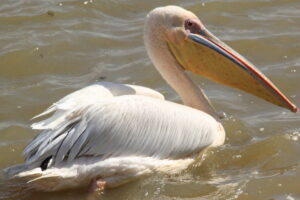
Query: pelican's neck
(174, 75)
(191, 94)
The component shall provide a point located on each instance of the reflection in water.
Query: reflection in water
(13, 189)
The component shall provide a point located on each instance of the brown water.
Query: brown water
(50, 48)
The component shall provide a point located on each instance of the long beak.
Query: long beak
(206, 55)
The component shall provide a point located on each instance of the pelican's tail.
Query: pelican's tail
(16, 169)
(48, 180)
(23, 173)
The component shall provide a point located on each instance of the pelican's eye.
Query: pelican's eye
(189, 23)
(192, 25)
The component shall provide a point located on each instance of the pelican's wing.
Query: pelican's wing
(128, 125)
(88, 96)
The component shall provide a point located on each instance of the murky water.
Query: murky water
(49, 48)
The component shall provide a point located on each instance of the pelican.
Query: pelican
(108, 134)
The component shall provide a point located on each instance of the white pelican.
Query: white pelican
(107, 134)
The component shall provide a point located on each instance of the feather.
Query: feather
(109, 120)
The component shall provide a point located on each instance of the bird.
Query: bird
(107, 134)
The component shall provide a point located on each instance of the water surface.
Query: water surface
(51, 48)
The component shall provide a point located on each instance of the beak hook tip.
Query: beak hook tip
(295, 109)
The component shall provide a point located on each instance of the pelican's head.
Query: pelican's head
(181, 33)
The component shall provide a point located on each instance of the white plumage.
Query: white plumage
(105, 127)
(122, 125)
